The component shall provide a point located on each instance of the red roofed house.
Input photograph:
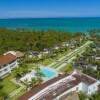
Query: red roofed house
(7, 63)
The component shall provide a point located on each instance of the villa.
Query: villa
(58, 87)
(95, 48)
(97, 58)
(88, 55)
(84, 64)
(7, 63)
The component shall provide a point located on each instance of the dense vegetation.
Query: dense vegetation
(25, 40)
(84, 96)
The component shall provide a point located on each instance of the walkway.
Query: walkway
(64, 64)
(60, 62)
(17, 90)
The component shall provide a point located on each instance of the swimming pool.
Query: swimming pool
(49, 73)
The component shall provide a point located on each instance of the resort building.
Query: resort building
(7, 63)
(85, 64)
(60, 86)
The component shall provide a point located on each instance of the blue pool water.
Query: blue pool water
(49, 73)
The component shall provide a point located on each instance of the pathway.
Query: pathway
(60, 62)
(64, 64)
(17, 90)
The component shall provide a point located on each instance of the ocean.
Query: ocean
(65, 24)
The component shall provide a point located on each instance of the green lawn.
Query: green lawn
(18, 95)
(47, 61)
(67, 68)
(8, 85)
(50, 60)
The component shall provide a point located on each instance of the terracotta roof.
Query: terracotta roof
(5, 59)
(85, 79)
(40, 87)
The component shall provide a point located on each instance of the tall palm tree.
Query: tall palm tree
(83, 96)
(26, 82)
(39, 74)
(34, 82)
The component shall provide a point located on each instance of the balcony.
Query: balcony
(2, 73)
(7, 65)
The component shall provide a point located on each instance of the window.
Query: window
(77, 89)
(54, 93)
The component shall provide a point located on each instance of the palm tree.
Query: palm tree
(95, 96)
(82, 96)
(17, 73)
(34, 82)
(26, 82)
(39, 74)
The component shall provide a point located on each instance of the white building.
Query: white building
(57, 87)
(7, 63)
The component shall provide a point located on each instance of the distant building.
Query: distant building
(95, 48)
(7, 63)
(56, 47)
(83, 64)
(97, 58)
(88, 55)
(59, 86)
(18, 54)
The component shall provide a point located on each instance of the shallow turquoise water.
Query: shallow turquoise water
(66, 24)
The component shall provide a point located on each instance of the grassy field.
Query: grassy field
(8, 85)
(50, 60)
(67, 68)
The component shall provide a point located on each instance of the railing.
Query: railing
(4, 67)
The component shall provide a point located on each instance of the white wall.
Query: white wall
(92, 88)
(83, 87)
(7, 69)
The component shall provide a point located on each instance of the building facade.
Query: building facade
(7, 63)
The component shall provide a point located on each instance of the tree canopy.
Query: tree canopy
(25, 40)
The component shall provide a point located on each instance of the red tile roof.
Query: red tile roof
(40, 87)
(5, 59)
(59, 89)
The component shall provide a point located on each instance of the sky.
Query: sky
(49, 8)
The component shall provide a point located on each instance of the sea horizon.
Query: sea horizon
(70, 24)
(51, 17)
